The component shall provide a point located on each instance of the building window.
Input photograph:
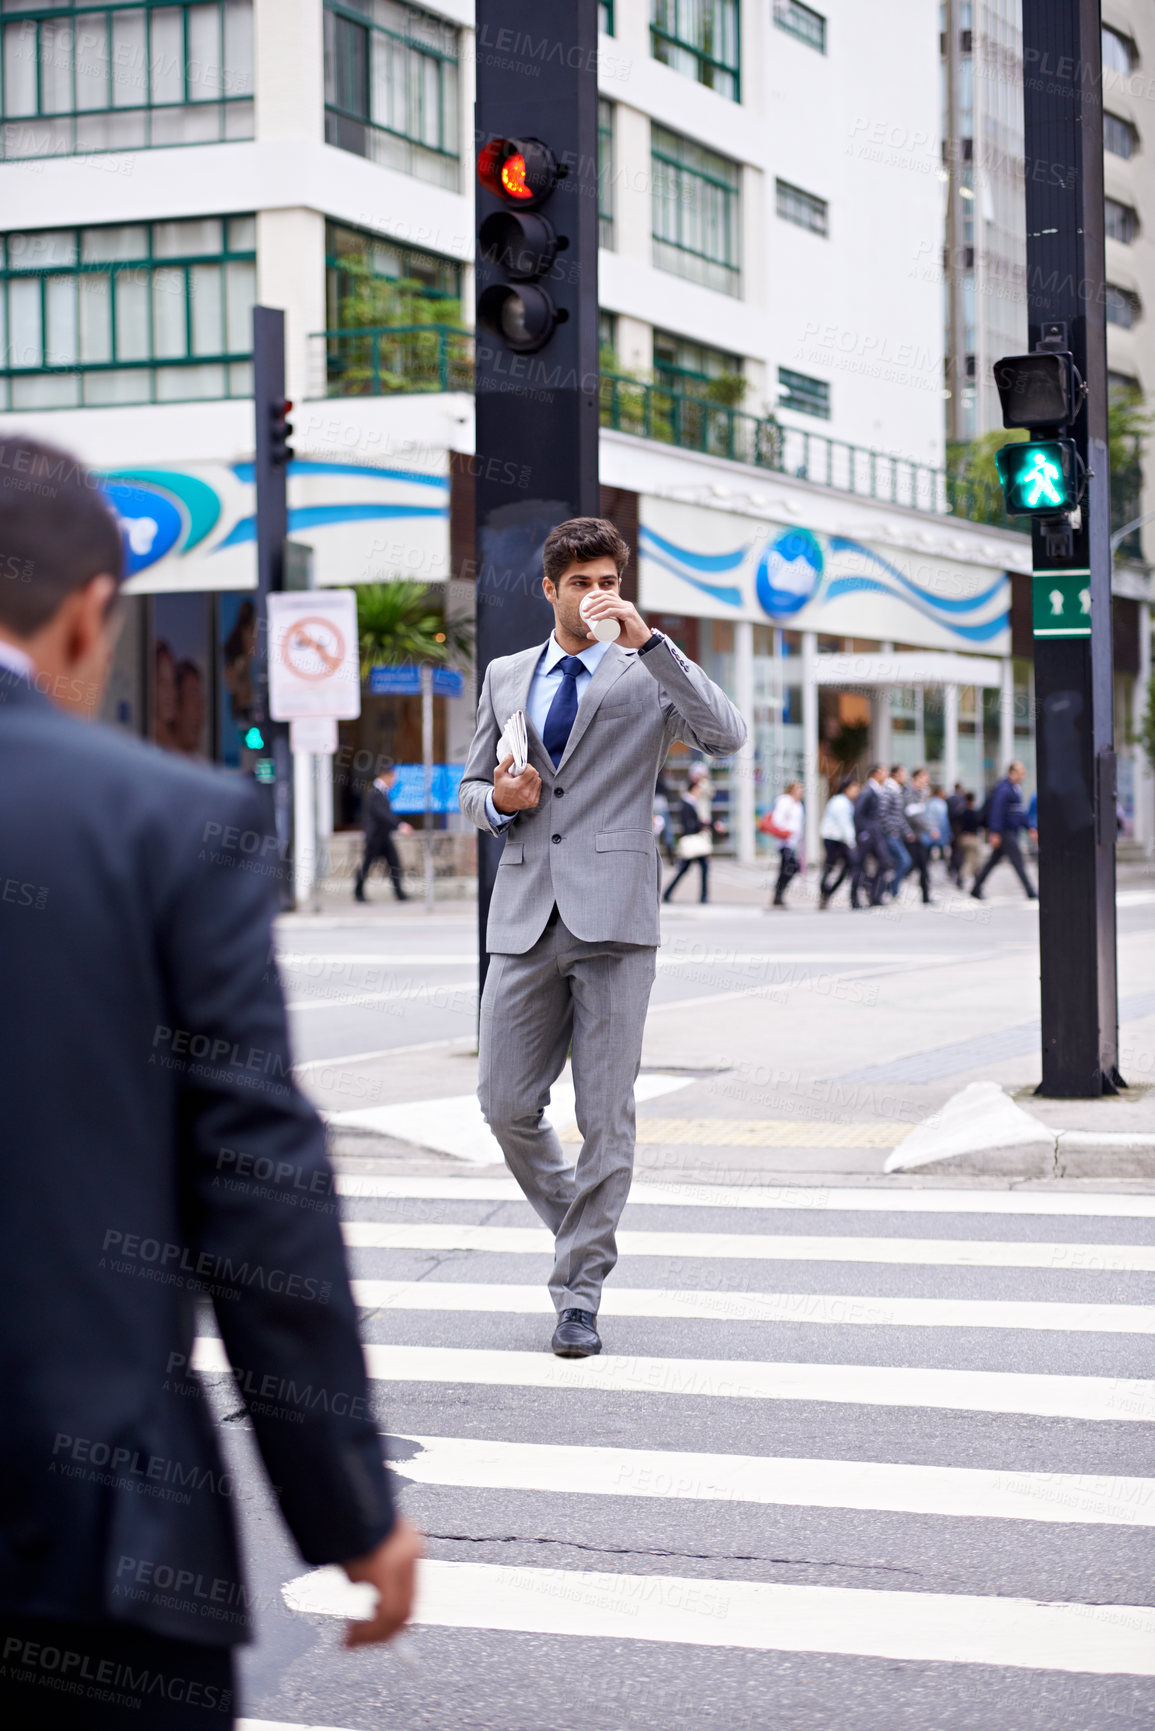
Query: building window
(1122, 306)
(605, 173)
(695, 211)
(698, 371)
(1119, 54)
(156, 312)
(699, 38)
(1120, 220)
(371, 280)
(806, 396)
(606, 17)
(801, 21)
(132, 77)
(1118, 136)
(802, 208)
(391, 87)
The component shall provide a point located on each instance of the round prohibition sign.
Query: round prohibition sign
(313, 648)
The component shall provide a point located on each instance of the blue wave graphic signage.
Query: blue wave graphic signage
(791, 571)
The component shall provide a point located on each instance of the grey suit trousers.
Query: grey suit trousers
(594, 995)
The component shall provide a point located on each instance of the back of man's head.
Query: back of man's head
(57, 533)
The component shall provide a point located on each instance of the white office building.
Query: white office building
(772, 347)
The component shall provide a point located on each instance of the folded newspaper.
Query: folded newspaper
(515, 742)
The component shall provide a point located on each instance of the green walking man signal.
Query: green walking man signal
(1038, 477)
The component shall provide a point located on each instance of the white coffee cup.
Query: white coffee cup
(605, 630)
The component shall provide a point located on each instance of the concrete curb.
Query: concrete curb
(981, 1131)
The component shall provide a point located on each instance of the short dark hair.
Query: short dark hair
(57, 532)
(579, 541)
(874, 769)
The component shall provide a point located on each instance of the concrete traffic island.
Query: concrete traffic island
(982, 1130)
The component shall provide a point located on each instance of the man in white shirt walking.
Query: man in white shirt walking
(838, 839)
(785, 826)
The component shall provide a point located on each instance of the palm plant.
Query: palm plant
(405, 621)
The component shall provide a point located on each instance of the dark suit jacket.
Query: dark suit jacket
(380, 819)
(152, 1146)
(868, 811)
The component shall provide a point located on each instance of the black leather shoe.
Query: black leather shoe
(575, 1335)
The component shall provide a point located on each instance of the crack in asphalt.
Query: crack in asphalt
(658, 1551)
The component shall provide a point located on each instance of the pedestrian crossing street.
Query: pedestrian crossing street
(829, 1428)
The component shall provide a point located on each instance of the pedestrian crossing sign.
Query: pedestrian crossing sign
(1062, 603)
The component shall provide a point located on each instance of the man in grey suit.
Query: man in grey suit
(573, 924)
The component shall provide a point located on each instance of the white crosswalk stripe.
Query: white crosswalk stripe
(786, 1198)
(770, 1247)
(966, 1436)
(776, 1479)
(1090, 1398)
(838, 1309)
(764, 1616)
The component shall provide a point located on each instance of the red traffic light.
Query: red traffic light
(519, 171)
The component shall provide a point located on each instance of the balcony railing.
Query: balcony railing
(388, 360)
(393, 360)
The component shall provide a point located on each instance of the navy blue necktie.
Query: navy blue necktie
(563, 709)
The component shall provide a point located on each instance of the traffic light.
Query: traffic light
(280, 432)
(1039, 390)
(522, 173)
(1040, 477)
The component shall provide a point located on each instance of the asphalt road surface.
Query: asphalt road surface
(403, 978)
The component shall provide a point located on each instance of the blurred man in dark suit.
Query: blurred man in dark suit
(381, 823)
(146, 1080)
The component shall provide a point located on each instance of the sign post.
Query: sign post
(537, 321)
(427, 766)
(1066, 271)
(314, 682)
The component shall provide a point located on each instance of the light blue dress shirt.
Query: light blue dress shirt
(543, 688)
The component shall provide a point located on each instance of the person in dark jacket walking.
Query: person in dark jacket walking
(147, 1078)
(871, 842)
(381, 823)
(955, 806)
(1004, 823)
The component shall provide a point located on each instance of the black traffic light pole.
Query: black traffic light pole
(270, 473)
(1063, 116)
(537, 408)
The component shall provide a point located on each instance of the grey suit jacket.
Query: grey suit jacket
(589, 844)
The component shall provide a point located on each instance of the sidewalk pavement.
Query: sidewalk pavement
(802, 1083)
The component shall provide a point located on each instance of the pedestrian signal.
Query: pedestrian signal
(1039, 477)
(1039, 390)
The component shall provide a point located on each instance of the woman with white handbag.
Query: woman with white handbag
(696, 842)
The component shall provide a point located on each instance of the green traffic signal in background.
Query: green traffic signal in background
(1038, 477)
(254, 739)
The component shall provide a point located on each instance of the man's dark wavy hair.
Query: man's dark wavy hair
(580, 540)
(57, 533)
